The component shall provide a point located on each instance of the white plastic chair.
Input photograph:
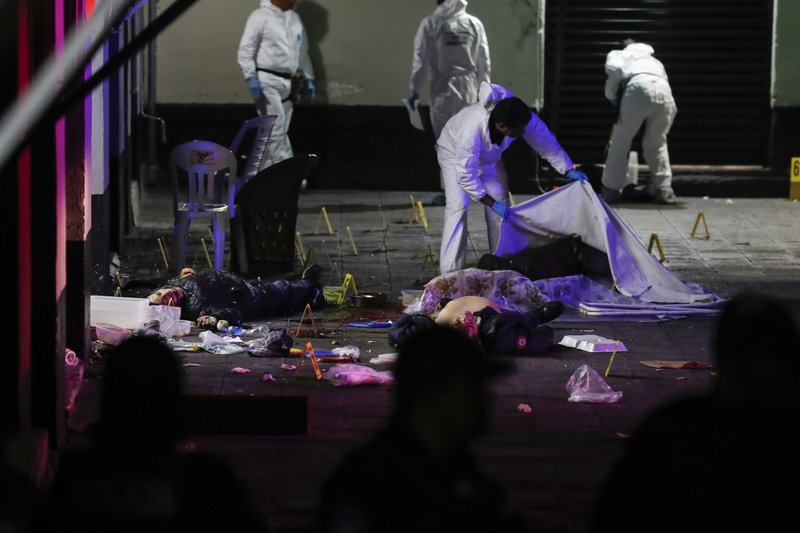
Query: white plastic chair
(208, 169)
(250, 145)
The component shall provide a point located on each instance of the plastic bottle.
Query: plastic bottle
(233, 331)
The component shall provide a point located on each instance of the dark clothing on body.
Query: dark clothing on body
(227, 296)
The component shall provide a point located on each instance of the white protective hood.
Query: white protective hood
(450, 8)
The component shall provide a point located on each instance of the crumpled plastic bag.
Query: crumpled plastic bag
(586, 385)
(350, 351)
(168, 318)
(276, 343)
(215, 344)
(351, 374)
(258, 331)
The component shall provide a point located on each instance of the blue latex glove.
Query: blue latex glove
(255, 88)
(312, 90)
(413, 97)
(577, 175)
(614, 102)
(501, 209)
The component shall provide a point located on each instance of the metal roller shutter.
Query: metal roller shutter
(718, 58)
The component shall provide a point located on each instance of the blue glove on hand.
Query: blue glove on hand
(413, 97)
(501, 209)
(312, 90)
(255, 88)
(577, 175)
(614, 102)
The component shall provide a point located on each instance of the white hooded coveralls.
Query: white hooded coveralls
(451, 47)
(275, 40)
(647, 98)
(472, 167)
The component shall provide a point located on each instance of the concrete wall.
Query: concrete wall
(786, 77)
(361, 49)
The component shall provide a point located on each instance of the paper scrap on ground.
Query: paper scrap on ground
(593, 343)
(384, 358)
(413, 114)
(676, 365)
(240, 370)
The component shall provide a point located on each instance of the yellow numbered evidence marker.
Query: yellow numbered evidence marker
(794, 179)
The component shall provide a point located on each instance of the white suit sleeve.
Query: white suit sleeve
(615, 73)
(422, 57)
(541, 139)
(249, 43)
(482, 61)
(467, 162)
(305, 60)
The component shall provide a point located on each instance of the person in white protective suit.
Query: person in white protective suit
(272, 49)
(469, 152)
(637, 84)
(450, 48)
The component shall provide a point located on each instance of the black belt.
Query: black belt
(284, 75)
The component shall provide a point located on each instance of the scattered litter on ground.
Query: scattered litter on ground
(287, 366)
(266, 377)
(586, 385)
(352, 374)
(370, 324)
(191, 364)
(384, 358)
(676, 365)
(524, 408)
(213, 343)
(350, 351)
(183, 346)
(593, 343)
(240, 370)
(111, 334)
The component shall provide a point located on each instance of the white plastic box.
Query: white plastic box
(593, 343)
(130, 313)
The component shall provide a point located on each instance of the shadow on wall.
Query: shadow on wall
(315, 20)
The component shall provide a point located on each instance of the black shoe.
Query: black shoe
(611, 196)
(319, 301)
(660, 196)
(549, 311)
(439, 199)
(312, 274)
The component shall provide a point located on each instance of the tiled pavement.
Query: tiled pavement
(549, 460)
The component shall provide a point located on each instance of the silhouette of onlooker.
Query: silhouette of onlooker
(19, 496)
(418, 474)
(136, 479)
(727, 460)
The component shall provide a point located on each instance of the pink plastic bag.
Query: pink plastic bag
(351, 374)
(586, 385)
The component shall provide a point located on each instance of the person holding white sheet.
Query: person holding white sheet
(470, 151)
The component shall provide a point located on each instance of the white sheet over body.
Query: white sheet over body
(575, 210)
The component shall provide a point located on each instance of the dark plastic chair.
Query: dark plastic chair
(250, 145)
(263, 230)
